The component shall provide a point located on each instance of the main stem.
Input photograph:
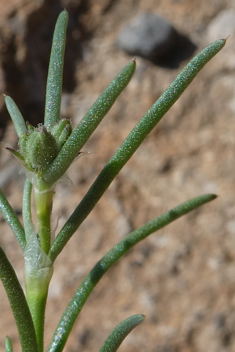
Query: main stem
(36, 292)
(38, 266)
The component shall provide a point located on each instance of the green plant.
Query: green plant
(46, 152)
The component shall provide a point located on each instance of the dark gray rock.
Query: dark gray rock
(155, 39)
(149, 36)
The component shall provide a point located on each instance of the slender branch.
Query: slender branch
(12, 220)
(132, 143)
(18, 304)
(88, 284)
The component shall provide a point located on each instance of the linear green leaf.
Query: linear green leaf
(18, 304)
(55, 73)
(88, 125)
(121, 331)
(132, 143)
(88, 284)
(12, 220)
(8, 345)
(16, 116)
(26, 209)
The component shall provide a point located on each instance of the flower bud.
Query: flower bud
(39, 149)
(61, 132)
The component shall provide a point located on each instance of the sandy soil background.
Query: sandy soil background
(183, 277)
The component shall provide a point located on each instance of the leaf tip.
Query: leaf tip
(134, 60)
(225, 39)
(64, 13)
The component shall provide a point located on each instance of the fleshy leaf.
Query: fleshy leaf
(132, 143)
(87, 126)
(16, 116)
(12, 220)
(8, 345)
(121, 331)
(55, 72)
(18, 304)
(109, 259)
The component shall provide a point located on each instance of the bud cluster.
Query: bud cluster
(38, 147)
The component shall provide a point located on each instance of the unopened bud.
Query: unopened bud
(61, 132)
(39, 149)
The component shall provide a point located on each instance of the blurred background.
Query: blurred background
(182, 277)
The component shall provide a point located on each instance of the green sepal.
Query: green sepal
(30, 128)
(17, 155)
(23, 141)
(121, 331)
